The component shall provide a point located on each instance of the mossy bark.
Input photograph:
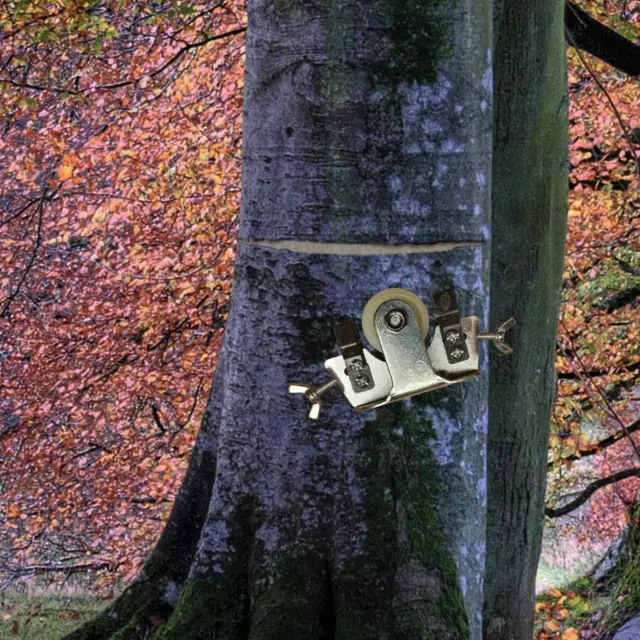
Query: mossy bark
(529, 199)
(358, 526)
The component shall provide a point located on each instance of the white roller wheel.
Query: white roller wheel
(369, 313)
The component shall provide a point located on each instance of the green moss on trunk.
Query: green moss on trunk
(421, 38)
(404, 579)
(136, 610)
(297, 606)
(217, 604)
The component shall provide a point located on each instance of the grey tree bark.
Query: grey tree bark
(366, 165)
(529, 209)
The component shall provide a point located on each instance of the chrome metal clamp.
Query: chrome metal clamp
(396, 322)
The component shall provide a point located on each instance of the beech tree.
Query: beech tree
(367, 164)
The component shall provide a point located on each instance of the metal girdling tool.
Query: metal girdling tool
(395, 323)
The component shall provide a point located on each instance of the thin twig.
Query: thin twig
(611, 411)
(36, 245)
(584, 495)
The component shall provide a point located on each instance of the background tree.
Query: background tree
(529, 201)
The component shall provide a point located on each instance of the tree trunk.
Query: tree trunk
(367, 126)
(529, 208)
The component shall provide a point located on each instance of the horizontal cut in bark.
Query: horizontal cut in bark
(348, 249)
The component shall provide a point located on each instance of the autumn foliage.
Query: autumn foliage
(598, 361)
(596, 415)
(119, 187)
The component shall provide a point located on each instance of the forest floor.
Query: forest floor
(45, 614)
(580, 611)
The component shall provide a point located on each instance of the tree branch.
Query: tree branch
(608, 407)
(625, 266)
(623, 126)
(36, 245)
(619, 299)
(572, 375)
(156, 418)
(67, 568)
(597, 39)
(126, 83)
(551, 512)
(599, 446)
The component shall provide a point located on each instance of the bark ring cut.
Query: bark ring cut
(396, 323)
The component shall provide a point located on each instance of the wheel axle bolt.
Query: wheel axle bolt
(395, 320)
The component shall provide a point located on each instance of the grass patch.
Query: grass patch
(44, 614)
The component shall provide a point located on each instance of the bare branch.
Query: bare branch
(36, 245)
(598, 447)
(127, 83)
(552, 512)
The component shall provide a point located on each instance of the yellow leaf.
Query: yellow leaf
(570, 634)
(576, 208)
(186, 291)
(65, 172)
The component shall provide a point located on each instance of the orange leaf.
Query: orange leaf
(13, 511)
(570, 634)
(65, 172)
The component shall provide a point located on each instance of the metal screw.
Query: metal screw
(498, 336)
(313, 393)
(355, 366)
(361, 381)
(395, 320)
(457, 353)
(452, 336)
